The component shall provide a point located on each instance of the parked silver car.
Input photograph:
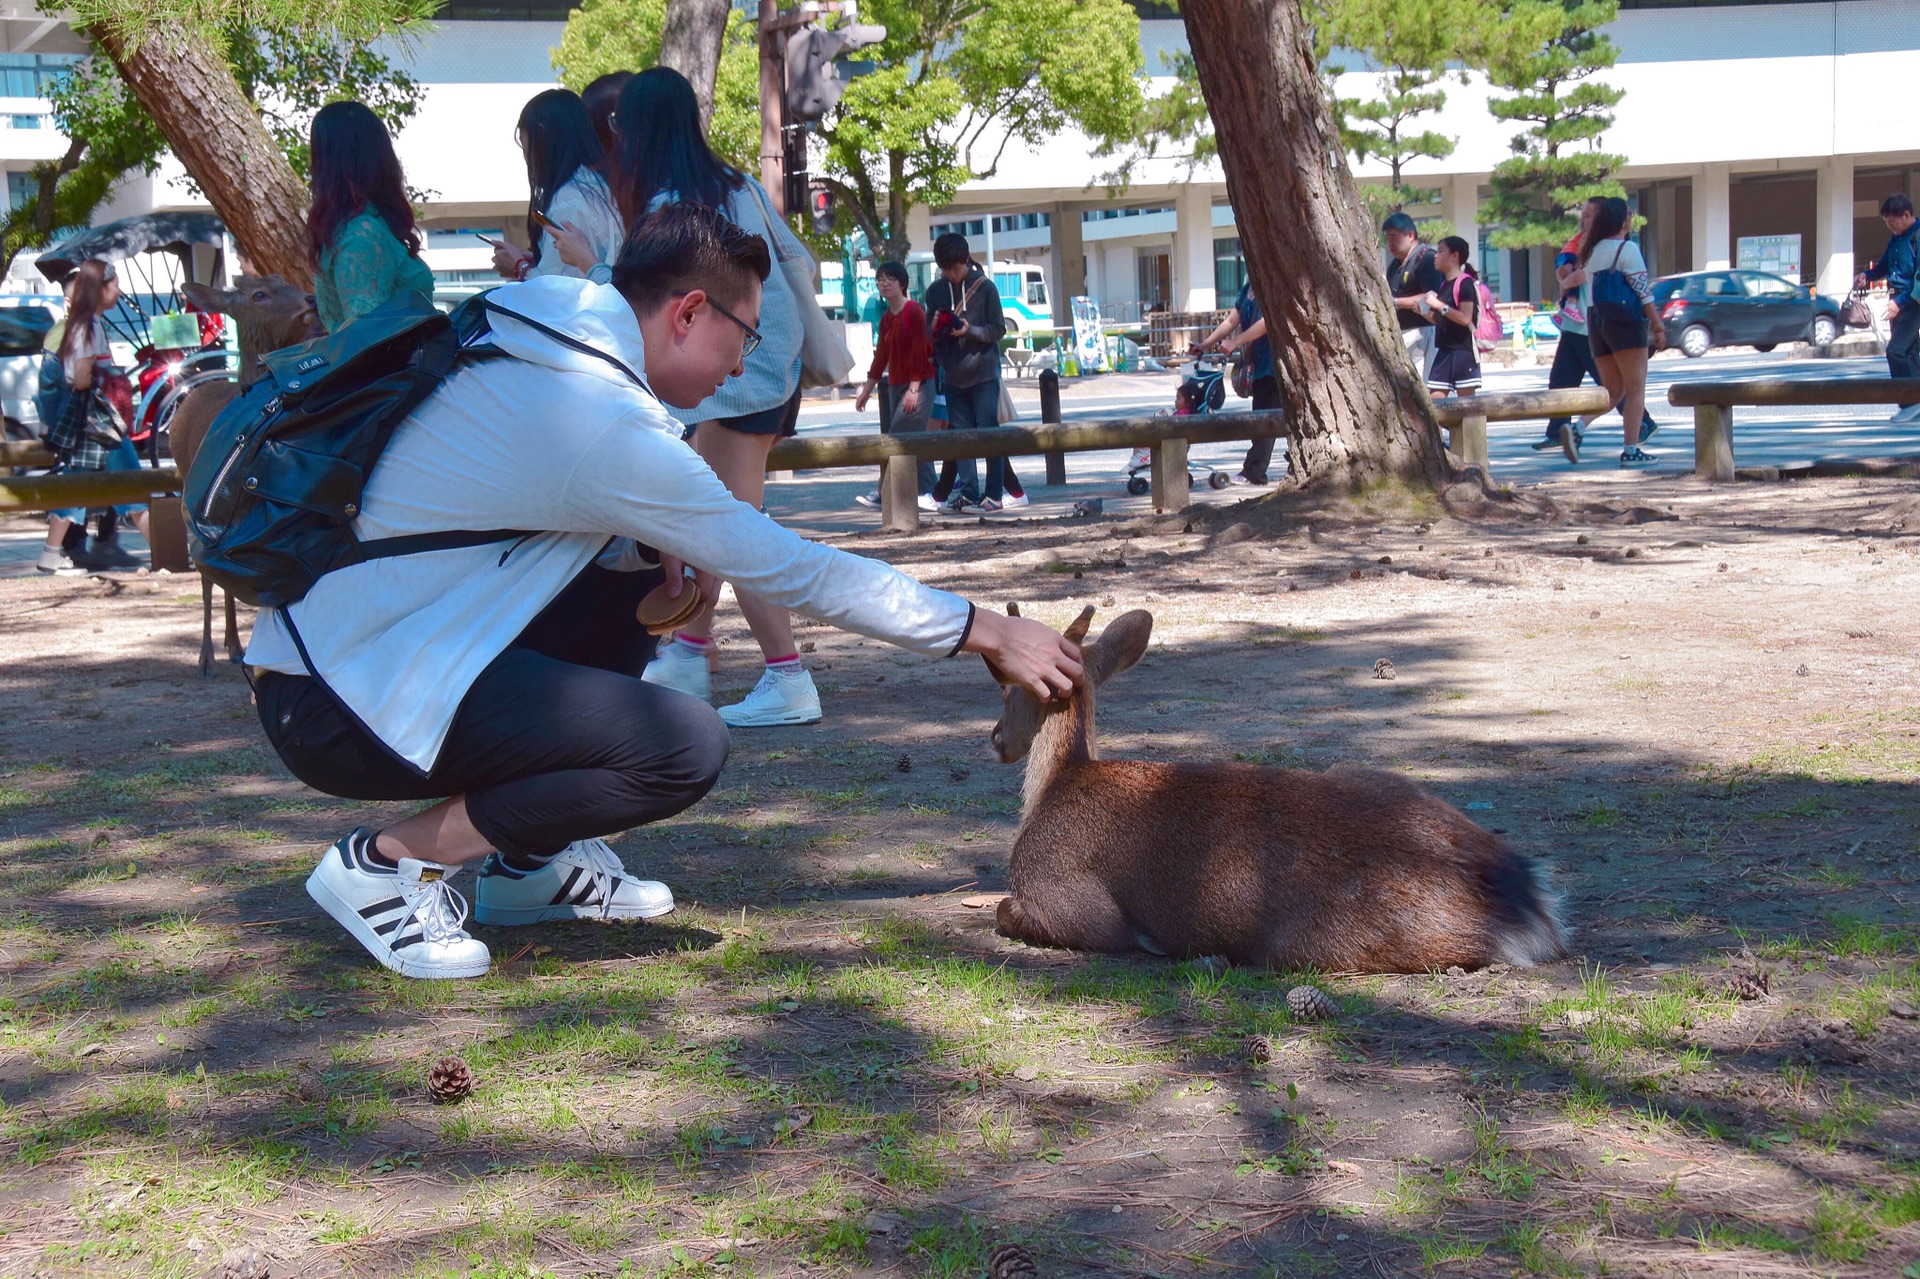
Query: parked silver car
(25, 320)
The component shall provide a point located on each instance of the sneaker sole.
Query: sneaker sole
(772, 721)
(362, 932)
(515, 916)
(704, 694)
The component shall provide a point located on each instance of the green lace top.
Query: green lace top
(363, 267)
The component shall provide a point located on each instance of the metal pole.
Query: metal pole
(773, 97)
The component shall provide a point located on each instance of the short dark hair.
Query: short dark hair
(893, 271)
(1401, 222)
(682, 247)
(951, 250)
(1896, 205)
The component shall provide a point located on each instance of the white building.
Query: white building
(1770, 127)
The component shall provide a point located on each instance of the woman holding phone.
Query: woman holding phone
(360, 230)
(572, 223)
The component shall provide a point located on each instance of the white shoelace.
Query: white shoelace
(605, 867)
(441, 911)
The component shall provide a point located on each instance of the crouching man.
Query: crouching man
(495, 679)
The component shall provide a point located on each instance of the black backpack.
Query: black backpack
(273, 492)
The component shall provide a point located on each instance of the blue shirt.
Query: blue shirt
(1260, 354)
(1897, 266)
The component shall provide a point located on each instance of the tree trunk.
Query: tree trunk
(690, 44)
(1357, 411)
(189, 91)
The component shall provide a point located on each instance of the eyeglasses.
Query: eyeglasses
(752, 341)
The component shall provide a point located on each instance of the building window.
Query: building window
(30, 75)
(20, 188)
(507, 10)
(32, 121)
(1229, 269)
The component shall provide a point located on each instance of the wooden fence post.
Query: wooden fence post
(900, 494)
(1170, 475)
(1713, 441)
(1470, 441)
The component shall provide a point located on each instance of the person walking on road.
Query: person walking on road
(1623, 325)
(361, 235)
(1899, 266)
(963, 306)
(1412, 276)
(903, 371)
(1455, 306)
(1573, 354)
(1245, 329)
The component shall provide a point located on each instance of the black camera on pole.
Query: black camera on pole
(814, 85)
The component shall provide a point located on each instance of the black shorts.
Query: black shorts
(1455, 368)
(1610, 333)
(781, 419)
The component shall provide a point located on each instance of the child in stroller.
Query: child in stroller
(1202, 392)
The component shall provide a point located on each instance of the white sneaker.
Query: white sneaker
(928, 504)
(1008, 502)
(869, 499)
(585, 880)
(678, 667)
(1911, 413)
(54, 560)
(409, 919)
(776, 699)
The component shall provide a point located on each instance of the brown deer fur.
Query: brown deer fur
(1347, 871)
(269, 314)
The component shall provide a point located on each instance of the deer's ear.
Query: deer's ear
(999, 676)
(1078, 630)
(1119, 646)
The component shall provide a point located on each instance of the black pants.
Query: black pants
(1266, 395)
(975, 408)
(1903, 342)
(1572, 361)
(554, 742)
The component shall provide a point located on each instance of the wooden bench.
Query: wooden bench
(1467, 416)
(1713, 404)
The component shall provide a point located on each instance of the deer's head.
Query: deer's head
(271, 310)
(1022, 715)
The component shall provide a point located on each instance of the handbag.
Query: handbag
(1613, 298)
(824, 357)
(1854, 314)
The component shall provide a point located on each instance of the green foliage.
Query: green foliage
(624, 35)
(353, 20)
(290, 76)
(1414, 43)
(1546, 54)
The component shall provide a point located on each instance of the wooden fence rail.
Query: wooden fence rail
(1713, 404)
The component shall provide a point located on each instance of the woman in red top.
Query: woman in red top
(904, 356)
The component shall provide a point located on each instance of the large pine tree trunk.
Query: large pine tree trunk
(1357, 413)
(188, 89)
(690, 44)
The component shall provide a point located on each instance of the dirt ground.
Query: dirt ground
(1698, 706)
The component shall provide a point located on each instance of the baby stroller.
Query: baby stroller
(1201, 393)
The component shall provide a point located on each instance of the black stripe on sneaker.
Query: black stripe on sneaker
(380, 908)
(560, 898)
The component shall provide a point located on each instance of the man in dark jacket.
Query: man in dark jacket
(963, 312)
(1899, 266)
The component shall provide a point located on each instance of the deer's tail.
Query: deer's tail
(1526, 926)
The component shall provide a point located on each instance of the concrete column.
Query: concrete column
(1833, 226)
(919, 228)
(1067, 267)
(1193, 285)
(1713, 218)
(1661, 216)
(1460, 205)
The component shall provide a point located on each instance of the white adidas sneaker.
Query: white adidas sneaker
(409, 919)
(678, 667)
(777, 699)
(585, 880)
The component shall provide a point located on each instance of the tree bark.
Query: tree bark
(189, 91)
(1358, 412)
(690, 44)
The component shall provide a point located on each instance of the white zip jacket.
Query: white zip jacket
(560, 440)
(584, 201)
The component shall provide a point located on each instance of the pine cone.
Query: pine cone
(1383, 669)
(1011, 1261)
(449, 1081)
(1310, 1003)
(904, 764)
(1749, 983)
(1259, 1049)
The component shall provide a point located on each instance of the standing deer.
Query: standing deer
(269, 314)
(1347, 871)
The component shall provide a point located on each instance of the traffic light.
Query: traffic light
(820, 208)
(813, 81)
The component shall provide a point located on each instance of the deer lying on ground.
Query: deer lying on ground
(268, 313)
(1346, 871)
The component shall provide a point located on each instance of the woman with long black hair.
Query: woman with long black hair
(663, 158)
(361, 236)
(571, 219)
(86, 436)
